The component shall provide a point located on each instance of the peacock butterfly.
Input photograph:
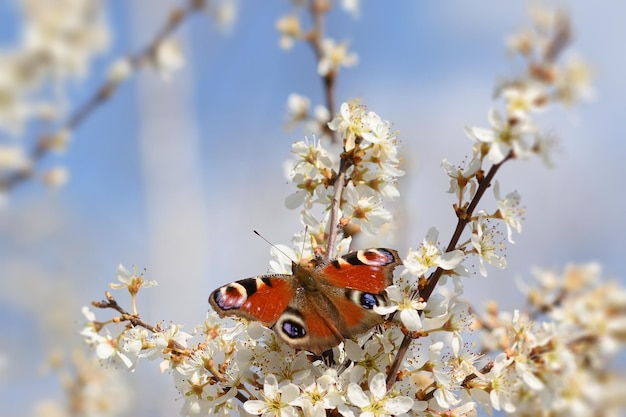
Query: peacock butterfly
(314, 308)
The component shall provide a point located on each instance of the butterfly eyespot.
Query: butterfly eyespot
(369, 257)
(291, 326)
(231, 296)
(368, 300)
(365, 299)
(293, 329)
(375, 257)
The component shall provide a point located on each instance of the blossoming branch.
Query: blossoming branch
(431, 353)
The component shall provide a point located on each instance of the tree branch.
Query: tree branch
(136, 61)
(463, 219)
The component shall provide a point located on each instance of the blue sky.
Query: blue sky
(174, 176)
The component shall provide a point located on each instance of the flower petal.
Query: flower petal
(357, 396)
(450, 260)
(398, 405)
(411, 319)
(254, 406)
(378, 386)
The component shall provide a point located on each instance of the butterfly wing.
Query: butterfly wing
(309, 323)
(368, 270)
(336, 300)
(302, 317)
(263, 298)
(317, 309)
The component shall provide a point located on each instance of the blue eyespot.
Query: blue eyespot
(368, 300)
(293, 329)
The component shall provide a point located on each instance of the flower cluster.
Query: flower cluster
(556, 359)
(367, 168)
(545, 81)
(91, 389)
(331, 56)
(58, 43)
(246, 366)
(60, 39)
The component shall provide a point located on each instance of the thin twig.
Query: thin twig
(317, 9)
(133, 319)
(395, 366)
(333, 229)
(473, 376)
(173, 345)
(315, 38)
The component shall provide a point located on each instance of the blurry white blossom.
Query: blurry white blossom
(290, 30)
(60, 38)
(335, 55)
(505, 135)
(168, 57)
(509, 210)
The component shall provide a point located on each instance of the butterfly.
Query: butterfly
(316, 307)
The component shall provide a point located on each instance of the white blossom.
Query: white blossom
(378, 402)
(335, 55)
(503, 137)
(486, 247)
(277, 400)
(509, 210)
(429, 255)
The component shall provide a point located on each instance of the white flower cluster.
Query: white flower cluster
(512, 135)
(60, 38)
(368, 167)
(235, 365)
(560, 362)
(330, 54)
(544, 82)
(556, 359)
(90, 388)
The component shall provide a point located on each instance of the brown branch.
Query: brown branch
(462, 222)
(125, 315)
(136, 61)
(464, 217)
(175, 347)
(318, 8)
(333, 228)
(395, 366)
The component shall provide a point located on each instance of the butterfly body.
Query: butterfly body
(315, 308)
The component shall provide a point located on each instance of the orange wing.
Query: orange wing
(262, 298)
(368, 270)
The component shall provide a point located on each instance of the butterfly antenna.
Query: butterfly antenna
(273, 245)
(306, 232)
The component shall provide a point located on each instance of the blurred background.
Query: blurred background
(173, 174)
